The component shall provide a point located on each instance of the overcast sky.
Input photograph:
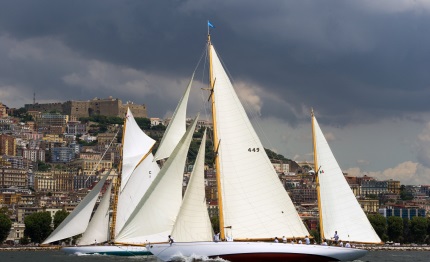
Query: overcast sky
(364, 66)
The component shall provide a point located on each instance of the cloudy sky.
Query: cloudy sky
(364, 66)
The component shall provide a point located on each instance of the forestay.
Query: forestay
(340, 209)
(255, 204)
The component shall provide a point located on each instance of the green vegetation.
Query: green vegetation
(59, 216)
(22, 114)
(395, 228)
(5, 225)
(379, 223)
(416, 230)
(419, 229)
(38, 226)
(42, 166)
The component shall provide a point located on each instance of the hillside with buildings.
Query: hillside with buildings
(52, 154)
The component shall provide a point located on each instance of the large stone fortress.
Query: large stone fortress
(97, 106)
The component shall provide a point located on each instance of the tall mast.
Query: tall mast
(216, 140)
(317, 169)
(117, 184)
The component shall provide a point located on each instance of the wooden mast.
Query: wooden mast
(317, 170)
(216, 140)
(117, 184)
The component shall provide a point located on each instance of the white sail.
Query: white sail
(193, 223)
(136, 145)
(255, 204)
(139, 181)
(340, 209)
(154, 217)
(176, 128)
(98, 228)
(77, 221)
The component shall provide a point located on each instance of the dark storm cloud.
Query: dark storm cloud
(349, 60)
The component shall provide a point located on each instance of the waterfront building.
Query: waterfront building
(402, 211)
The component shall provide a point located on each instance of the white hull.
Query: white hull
(107, 250)
(255, 251)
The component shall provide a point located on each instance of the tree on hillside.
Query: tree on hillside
(5, 225)
(379, 223)
(419, 229)
(394, 228)
(59, 216)
(407, 238)
(38, 226)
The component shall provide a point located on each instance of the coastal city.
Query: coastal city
(53, 154)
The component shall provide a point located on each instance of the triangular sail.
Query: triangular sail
(176, 128)
(77, 221)
(340, 209)
(98, 228)
(193, 223)
(135, 148)
(138, 183)
(154, 217)
(255, 204)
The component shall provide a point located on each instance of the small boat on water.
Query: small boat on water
(253, 205)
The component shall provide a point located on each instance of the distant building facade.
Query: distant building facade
(97, 106)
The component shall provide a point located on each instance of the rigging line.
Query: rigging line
(101, 158)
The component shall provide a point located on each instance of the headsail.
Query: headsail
(139, 182)
(155, 214)
(340, 210)
(98, 228)
(176, 128)
(193, 223)
(135, 148)
(77, 221)
(255, 204)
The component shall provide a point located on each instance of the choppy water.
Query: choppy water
(53, 256)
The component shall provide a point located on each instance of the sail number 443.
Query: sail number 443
(255, 149)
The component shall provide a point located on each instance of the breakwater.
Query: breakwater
(29, 248)
(395, 248)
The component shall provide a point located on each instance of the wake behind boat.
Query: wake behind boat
(113, 250)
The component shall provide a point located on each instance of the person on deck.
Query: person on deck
(171, 240)
(347, 244)
(216, 237)
(336, 237)
(307, 240)
(276, 240)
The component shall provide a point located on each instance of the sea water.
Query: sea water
(54, 256)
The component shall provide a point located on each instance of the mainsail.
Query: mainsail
(98, 228)
(193, 223)
(176, 128)
(339, 208)
(77, 221)
(154, 216)
(255, 205)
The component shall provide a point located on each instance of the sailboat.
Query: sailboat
(253, 205)
(339, 209)
(138, 171)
